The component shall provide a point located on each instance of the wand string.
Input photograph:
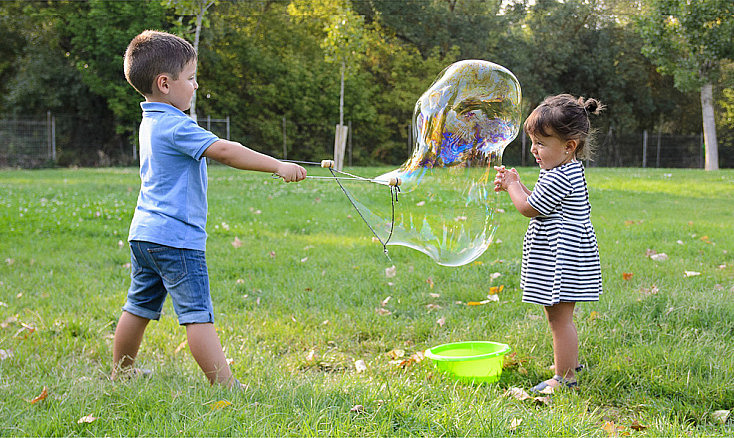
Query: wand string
(394, 190)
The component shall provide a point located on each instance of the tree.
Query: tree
(689, 40)
(343, 45)
(198, 9)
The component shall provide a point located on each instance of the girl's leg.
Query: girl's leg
(128, 336)
(207, 351)
(565, 340)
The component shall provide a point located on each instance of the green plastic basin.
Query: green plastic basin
(470, 361)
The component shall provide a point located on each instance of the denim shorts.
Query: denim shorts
(159, 270)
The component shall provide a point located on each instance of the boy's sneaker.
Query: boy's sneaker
(133, 373)
(142, 372)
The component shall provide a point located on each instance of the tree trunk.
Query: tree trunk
(199, 18)
(709, 128)
(341, 98)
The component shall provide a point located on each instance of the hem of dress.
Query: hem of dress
(559, 301)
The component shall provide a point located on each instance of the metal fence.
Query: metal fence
(32, 142)
(27, 142)
(640, 149)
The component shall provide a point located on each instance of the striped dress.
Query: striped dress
(560, 256)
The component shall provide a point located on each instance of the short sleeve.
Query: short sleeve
(549, 191)
(191, 139)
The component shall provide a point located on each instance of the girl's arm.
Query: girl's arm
(235, 155)
(509, 181)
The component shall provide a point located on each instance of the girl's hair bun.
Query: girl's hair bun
(591, 105)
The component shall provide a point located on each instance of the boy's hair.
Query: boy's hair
(152, 53)
(567, 117)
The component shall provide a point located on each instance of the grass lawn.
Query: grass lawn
(298, 303)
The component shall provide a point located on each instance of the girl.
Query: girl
(560, 258)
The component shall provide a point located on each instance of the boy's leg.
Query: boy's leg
(565, 339)
(128, 336)
(207, 351)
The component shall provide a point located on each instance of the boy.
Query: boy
(167, 234)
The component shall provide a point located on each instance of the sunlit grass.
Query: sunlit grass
(297, 304)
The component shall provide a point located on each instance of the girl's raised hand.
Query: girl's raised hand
(504, 178)
(499, 179)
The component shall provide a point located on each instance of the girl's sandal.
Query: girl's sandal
(542, 387)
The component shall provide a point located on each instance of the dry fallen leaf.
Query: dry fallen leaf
(237, 242)
(627, 275)
(514, 424)
(396, 353)
(691, 273)
(391, 271)
(441, 321)
(8, 321)
(86, 419)
(180, 347)
(429, 280)
(39, 397)
(432, 306)
(610, 428)
(721, 416)
(434, 295)
(496, 289)
(521, 394)
(311, 355)
(517, 393)
(660, 257)
(386, 300)
(360, 366)
(25, 329)
(652, 290)
(357, 409)
(382, 311)
(221, 404)
(637, 426)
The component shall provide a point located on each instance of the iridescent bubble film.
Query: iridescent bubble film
(447, 205)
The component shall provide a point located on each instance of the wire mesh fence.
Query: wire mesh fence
(50, 140)
(27, 142)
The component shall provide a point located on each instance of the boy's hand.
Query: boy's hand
(290, 172)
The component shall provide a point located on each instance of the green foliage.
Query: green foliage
(98, 35)
(265, 60)
(688, 39)
(659, 347)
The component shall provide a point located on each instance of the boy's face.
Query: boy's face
(178, 92)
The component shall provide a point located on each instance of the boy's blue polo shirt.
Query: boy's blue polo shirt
(172, 204)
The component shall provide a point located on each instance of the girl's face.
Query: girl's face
(551, 151)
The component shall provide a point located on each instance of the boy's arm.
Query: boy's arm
(235, 155)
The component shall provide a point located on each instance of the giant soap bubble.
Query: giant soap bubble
(447, 205)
